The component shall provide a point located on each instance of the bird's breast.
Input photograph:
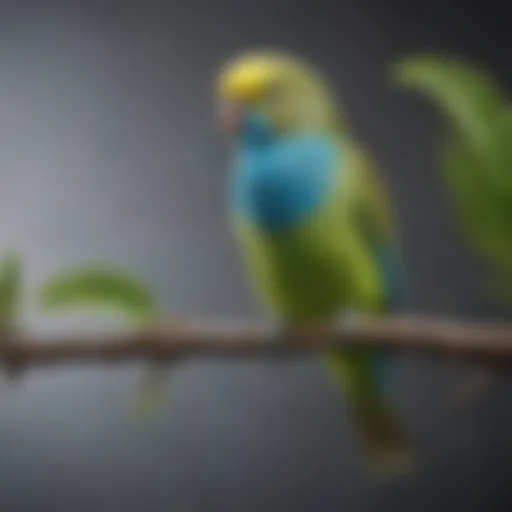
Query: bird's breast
(278, 187)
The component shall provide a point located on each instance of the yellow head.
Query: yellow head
(276, 87)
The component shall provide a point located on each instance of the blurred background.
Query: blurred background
(108, 152)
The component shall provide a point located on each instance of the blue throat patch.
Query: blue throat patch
(279, 181)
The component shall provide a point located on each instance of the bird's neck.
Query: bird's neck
(256, 133)
(255, 141)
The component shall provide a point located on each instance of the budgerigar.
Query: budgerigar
(314, 224)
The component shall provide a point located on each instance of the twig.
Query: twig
(477, 342)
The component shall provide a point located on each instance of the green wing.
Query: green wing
(374, 218)
(373, 207)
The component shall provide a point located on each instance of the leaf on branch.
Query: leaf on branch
(99, 287)
(477, 154)
(498, 284)
(469, 97)
(10, 290)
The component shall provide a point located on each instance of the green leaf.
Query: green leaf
(476, 163)
(10, 290)
(482, 199)
(498, 285)
(482, 206)
(468, 96)
(99, 287)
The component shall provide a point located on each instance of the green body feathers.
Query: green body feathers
(330, 262)
(324, 264)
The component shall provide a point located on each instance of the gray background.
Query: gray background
(108, 151)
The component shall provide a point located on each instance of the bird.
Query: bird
(315, 228)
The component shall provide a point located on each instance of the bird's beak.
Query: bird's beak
(230, 115)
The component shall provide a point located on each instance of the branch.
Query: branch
(478, 342)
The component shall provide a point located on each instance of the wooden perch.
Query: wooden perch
(478, 342)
